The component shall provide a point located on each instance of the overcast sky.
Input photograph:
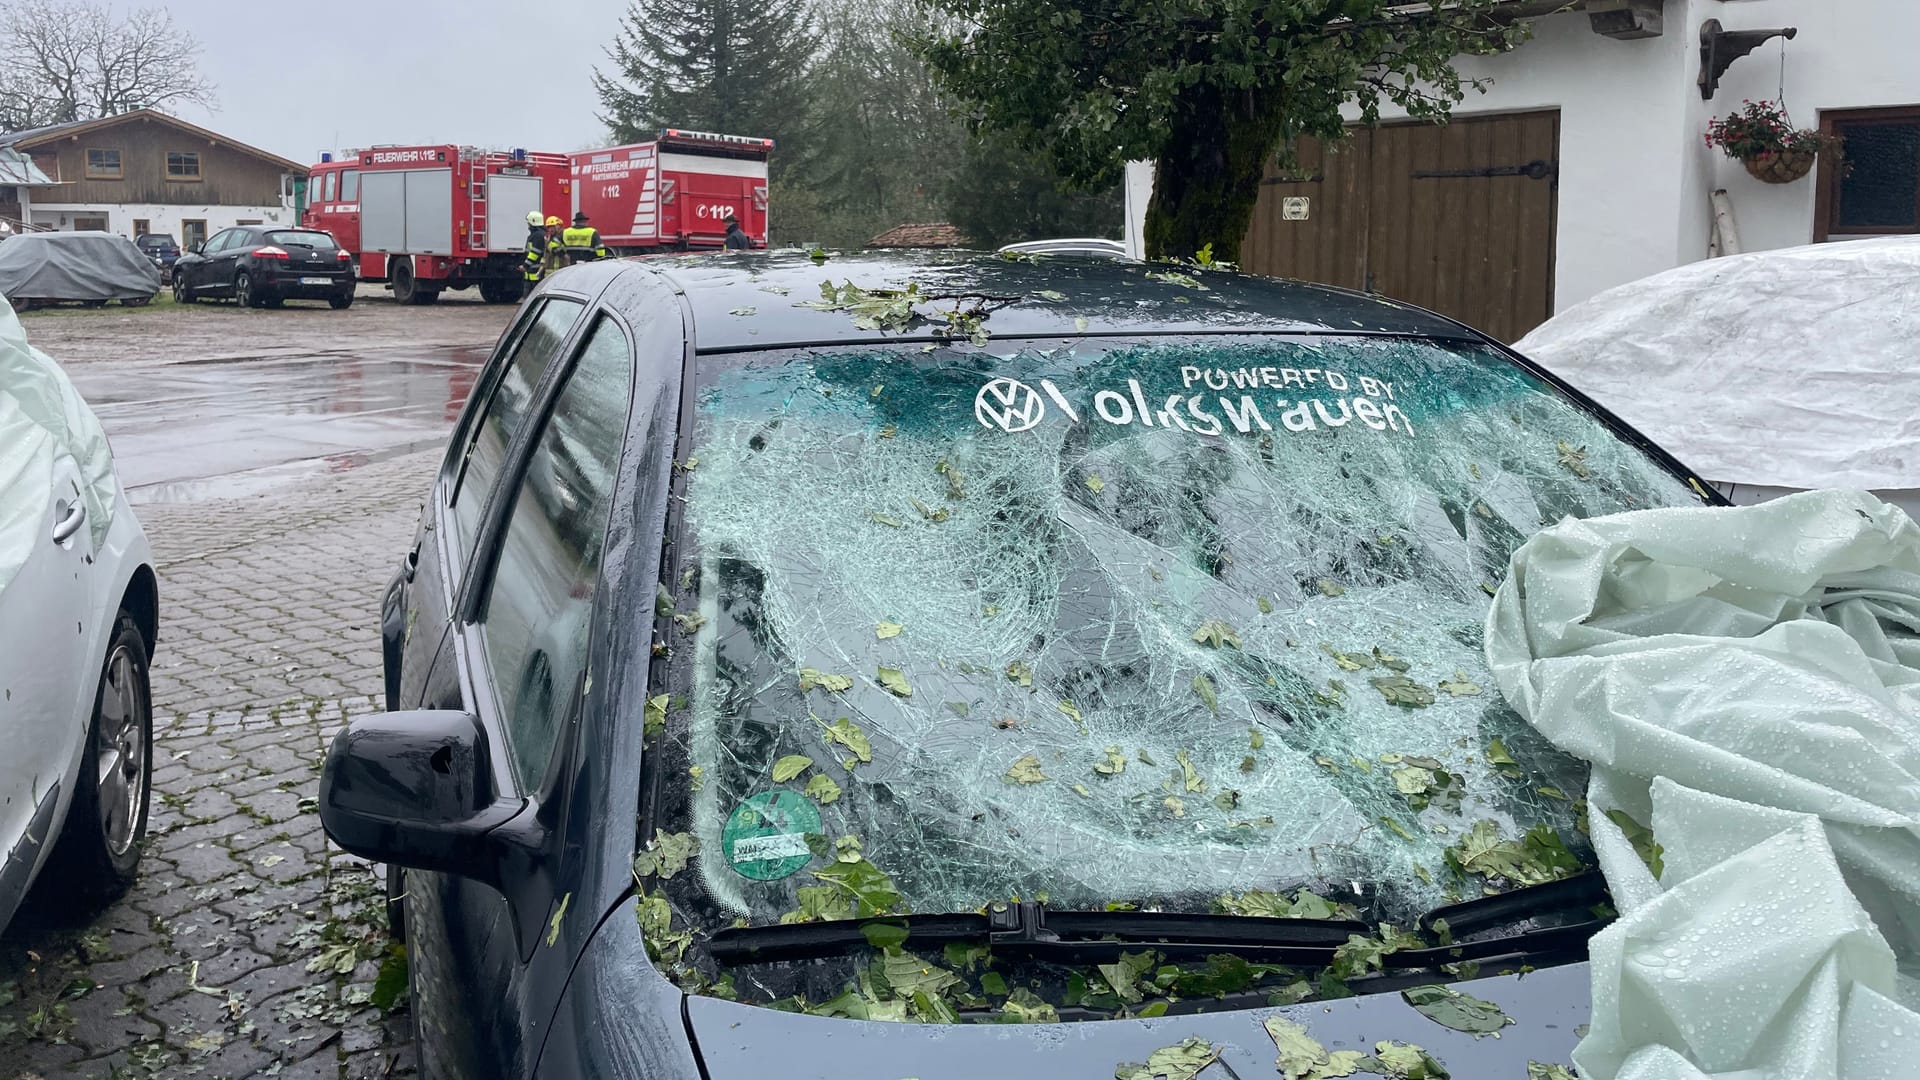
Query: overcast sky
(298, 78)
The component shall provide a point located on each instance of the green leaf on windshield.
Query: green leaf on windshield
(666, 854)
(1203, 686)
(1538, 1071)
(656, 928)
(848, 734)
(1095, 484)
(1347, 661)
(1574, 458)
(1460, 686)
(1019, 672)
(1537, 857)
(1256, 739)
(1641, 838)
(1389, 661)
(883, 935)
(1305, 904)
(1081, 790)
(1450, 1008)
(1301, 1057)
(1025, 1007)
(819, 903)
(1501, 760)
(1026, 770)
(1185, 281)
(811, 677)
(1265, 605)
(866, 885)
(790, 766)
(1115, 763)
(908, 974)
(1182, 1061)
(1174, 806)
(1123, 977)
(1051, 295)
(1330, 587)
(1402, 691)
(655, 716)
(888, 519)
(1189, 774)
(886, 630)
(992, 982)
(1071, 710)
(1217, 634)
(895, 681)
(822, 789)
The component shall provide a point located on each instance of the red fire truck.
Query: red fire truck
(674, 193)
(428, 218)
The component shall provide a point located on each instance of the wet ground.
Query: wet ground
(213, 401)
(277, 460)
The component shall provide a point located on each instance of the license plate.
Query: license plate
(316, 281)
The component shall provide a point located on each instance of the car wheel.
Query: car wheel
(98, 851)
(180, 293)
(342, 299)
(243, 291)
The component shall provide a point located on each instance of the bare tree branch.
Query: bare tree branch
(75, 60)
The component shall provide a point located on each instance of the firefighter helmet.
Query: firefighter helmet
(552, 221)
(533, 217)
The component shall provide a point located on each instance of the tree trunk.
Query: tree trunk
(1207, 181)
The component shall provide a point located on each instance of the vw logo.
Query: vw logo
(1009, 405)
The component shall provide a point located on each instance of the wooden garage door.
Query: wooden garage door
(1457, 217)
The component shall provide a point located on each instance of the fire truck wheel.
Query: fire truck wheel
(405, 289)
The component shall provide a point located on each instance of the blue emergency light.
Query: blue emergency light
(324, 158)
(519, 154)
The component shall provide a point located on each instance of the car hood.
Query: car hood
(745, 1042)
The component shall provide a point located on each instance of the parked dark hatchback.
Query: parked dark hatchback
(780, 655)
(265, 266)
(161, 248)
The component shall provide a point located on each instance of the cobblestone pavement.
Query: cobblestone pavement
(246, 948)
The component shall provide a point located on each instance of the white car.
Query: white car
(79, 608)
(1095, 246)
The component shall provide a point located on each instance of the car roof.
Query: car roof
(754, 300)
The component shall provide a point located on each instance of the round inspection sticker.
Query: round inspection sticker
(765, 838)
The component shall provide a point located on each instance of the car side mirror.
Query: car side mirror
(416, 789)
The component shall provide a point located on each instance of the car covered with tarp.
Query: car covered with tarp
(75, 267)
(1770, 372)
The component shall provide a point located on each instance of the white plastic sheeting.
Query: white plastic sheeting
(43, 421)
(1790, 368)
(1746, 682)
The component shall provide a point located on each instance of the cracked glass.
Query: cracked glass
(1137, 621)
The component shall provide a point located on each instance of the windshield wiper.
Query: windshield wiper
(1552, 917)
(1028, 928)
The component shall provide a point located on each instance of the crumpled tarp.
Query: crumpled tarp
(42, 422)
(1790, 368)
(75, 266)
(1746, 682)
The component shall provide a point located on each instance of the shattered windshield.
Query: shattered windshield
(1119, 623)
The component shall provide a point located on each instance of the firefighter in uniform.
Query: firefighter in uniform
(534, 264)
(556, 254)
(582, 241)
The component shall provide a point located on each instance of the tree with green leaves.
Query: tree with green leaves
(1208, 90)
(734, 66)
(1003, 193)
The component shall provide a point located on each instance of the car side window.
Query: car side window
(540, 600)
(219, 241)
(506, 407)
(333, 178)
(350, 185)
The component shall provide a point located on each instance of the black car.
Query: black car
(161, 248)
(1081, 656)
(264, 266)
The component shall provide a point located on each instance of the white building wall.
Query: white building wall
(1636, 177)
(161, 217)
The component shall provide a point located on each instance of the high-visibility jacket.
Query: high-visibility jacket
(582, 244)
(534, 264)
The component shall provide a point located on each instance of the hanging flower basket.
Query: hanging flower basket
(1761, 137)
(1782, 168)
